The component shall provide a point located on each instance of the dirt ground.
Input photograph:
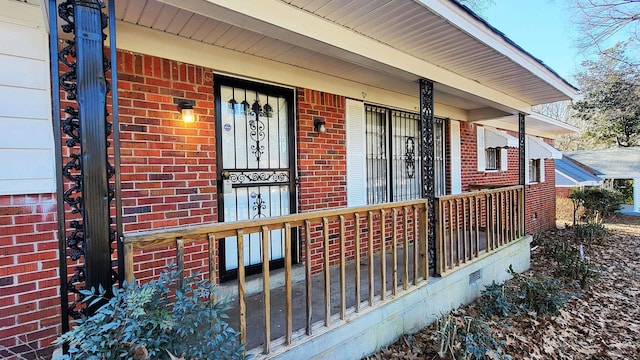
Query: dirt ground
(599, 322)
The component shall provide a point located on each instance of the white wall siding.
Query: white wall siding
(456, 158)
(356, 153)
(26, 136)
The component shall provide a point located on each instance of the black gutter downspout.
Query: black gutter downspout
(428, 162)
(522, 168)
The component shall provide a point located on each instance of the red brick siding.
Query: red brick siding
(540, 201)
(29, 298)
(469, 162)
(539, 198)
(322, 158)
(168, 166)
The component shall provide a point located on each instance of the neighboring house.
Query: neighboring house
(611, 164)
(571, 175)
(308, 129)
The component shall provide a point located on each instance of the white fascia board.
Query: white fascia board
(535, 124)
(276, 19)
(552, 123)
(480, 31)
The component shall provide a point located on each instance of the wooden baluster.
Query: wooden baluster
(383, 256)
(405, 230)
(180, 258)
(266, 289)
(465, 230)
(213, 275)
(371, 257)
(128, 263)
(424, 239)
(327, 271)
(416, 245)
(242, 306)
(394, 252)
(288, 282)
(343, 278)
(356, 239)
(452, 223)
(307, 268)
(441, 237)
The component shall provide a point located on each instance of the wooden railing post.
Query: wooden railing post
(356, 239)
(383, 255)
(327, 273)
(307, 268)
(266, 287)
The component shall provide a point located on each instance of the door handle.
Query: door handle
(225, 174)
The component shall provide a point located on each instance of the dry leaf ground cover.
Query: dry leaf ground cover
(599, 322)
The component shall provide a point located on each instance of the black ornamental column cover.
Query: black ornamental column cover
(522, 166)
(92, 98)
(428, 171)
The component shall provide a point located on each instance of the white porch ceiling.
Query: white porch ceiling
(409, 26)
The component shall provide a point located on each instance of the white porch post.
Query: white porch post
(636, 194)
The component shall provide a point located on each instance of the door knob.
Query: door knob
(225, 174)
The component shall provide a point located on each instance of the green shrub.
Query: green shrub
(571, 262)
(591, 233)
(538, 296)
(598, 203)
(155, 320)
(497, 300)
(466, 337)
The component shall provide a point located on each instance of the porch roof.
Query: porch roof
(378, 43)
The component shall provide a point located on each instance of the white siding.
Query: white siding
(356, 153)
(456, 158)
(480, 148)
(26, 136)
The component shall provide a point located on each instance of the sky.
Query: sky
(542, 28)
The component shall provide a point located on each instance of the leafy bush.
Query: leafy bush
(156, 320)
(497, 300)
(598, 203)
(538, 296)
(466, 337)
(571, 262)
(591, 233)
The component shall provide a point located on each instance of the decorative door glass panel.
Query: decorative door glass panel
(256, 163)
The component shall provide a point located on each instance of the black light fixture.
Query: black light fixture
(185, 107)
(319, 125)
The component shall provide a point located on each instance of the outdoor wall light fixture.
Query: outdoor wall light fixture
(319, 125)
(185, 107)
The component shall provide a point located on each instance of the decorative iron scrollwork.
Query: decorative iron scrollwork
(245, 177)
(428, 161)
(409, 156)
(258, 206)
(72, 167)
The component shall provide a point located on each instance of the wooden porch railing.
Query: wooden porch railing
(474, 224)
(392, 229)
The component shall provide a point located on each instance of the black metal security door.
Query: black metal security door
(255, 162)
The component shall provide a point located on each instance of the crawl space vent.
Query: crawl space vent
(474, 276)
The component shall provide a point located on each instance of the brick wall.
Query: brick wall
(540, 198)
(469, 163)
(29, 298)
(540, 202)
(168, 166)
